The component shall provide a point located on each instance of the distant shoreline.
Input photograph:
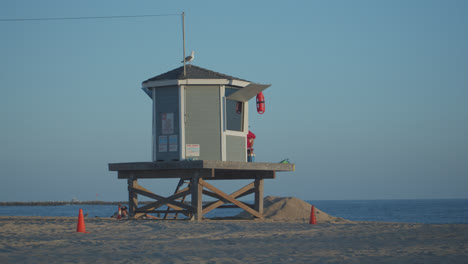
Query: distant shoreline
(61, 203)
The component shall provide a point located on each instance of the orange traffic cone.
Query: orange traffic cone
(81, 225)
(312, 216)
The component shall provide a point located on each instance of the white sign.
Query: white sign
(167, 122)
(173, 146)
(162, 144)
(192, 150)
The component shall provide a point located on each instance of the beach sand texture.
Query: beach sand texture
(54, 240)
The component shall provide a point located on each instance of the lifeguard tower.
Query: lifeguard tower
(200, 127)
(202, 116)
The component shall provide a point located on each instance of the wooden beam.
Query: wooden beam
(184, 190)
(246, 193)
(197, 203)
(192, 164)
(220, 174)
(222, 200)
(157, 204)
(209, 174)
(200, 164)
(159, 174)
(235, 206)
(161, 203)
(151, 206)
(132, 197)
(181, 193)
(259, 196)
(230, 199)
(212, 194)
(169, 201)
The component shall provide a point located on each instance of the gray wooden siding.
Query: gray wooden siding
(203, 120)
(236, 149)
(167, 101)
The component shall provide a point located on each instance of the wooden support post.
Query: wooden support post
(259, 196)
(197, 192)
(132, 197)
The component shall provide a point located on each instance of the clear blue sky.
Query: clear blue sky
(368, 98)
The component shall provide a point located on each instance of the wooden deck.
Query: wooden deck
(198, 173)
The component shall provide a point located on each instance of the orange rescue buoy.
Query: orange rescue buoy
(260, 103)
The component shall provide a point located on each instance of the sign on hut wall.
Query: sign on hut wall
(167, 123)
(173, 146)
(192, 150)
(162, 144)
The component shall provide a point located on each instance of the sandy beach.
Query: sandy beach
(54, 240)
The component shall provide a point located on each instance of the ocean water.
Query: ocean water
(428, 211)
(441, 211)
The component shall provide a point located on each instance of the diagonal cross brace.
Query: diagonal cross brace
(162, 200)
(246, 190)
(158, 204)
(231, 199)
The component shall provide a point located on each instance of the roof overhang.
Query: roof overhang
(152, 84)
(248, 92)
(238, 83)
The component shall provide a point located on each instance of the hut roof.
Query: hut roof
(193, 72)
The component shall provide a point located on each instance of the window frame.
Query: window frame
(243, 132)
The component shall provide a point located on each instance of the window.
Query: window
(234, 112)
(234, 115)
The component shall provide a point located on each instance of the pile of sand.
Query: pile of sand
(292, 209)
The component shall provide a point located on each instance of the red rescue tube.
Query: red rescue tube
(260, 103)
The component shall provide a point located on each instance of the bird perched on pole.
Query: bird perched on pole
(189, 58)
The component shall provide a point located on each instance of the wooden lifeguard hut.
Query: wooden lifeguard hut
(200, 127)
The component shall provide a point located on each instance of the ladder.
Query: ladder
(180, 188)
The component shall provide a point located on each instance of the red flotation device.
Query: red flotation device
(260, 103)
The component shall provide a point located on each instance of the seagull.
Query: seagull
(189, 58)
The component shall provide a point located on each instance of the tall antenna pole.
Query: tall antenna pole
(183, 37)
